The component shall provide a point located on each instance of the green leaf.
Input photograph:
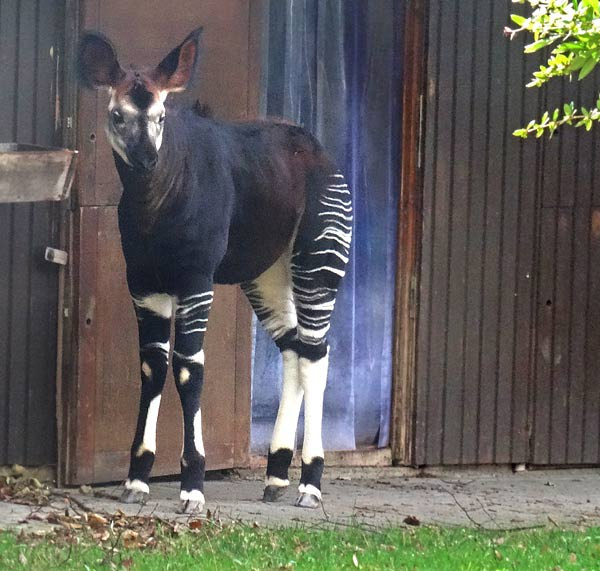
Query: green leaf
(589, 66)
(536, 46)
(518, 20)
(577, 63)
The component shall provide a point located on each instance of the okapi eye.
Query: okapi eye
(117, 118)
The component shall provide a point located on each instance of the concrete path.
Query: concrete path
(374, 497)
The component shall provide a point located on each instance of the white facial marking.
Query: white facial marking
(137, 486)
(158, 303)
(149, 440)
(184, 375)
(147, 370)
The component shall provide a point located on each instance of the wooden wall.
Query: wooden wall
(30, 45)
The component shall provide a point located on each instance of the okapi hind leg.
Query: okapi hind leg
(320, 254)
(154, 322)
(191, 318)
(271, 298)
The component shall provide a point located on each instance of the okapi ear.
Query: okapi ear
(97, 64)
(175, 72)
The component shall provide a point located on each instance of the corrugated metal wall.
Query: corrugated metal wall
(28, 285)
(508, 347)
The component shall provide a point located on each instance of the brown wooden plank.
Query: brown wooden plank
(422, 386)
(5, 305)
(510, 254)
(561, 337)
(407, 273)
(577, 334)
(529, 161)
(475, 247)
(458, 235)
(542, 394)
(8, 63)
(492, 240)
(591, 419)
(80, 424)
(442, 231)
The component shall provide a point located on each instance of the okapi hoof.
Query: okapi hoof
(273, 493)
(306, 500)
(134, 497)
(191, 502)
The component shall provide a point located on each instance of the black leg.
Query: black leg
(191, 319)
(154, 318)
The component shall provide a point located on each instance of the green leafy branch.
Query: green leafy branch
(572, 29)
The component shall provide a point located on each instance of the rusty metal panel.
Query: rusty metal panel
(477, 263)
(29, 43)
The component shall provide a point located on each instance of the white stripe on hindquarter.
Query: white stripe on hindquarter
(158, 303)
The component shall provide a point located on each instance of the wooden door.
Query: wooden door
(102, 398)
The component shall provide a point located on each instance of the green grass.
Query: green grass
(245, 547)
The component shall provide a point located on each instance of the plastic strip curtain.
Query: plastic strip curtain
(334, 66)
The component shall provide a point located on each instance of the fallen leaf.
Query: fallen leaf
(22, 559)
(127, 563)
(355, 560)
(196, 524)
(498, 555)
(572, 558)
(412, 520)
(96, 521)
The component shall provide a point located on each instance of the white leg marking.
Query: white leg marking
(272, 298)
(184, 375)
(198, 442)
(147, 370)
(149, 441)
(284, 433)
(278, 482)
(192, 496)
(137, 486)
(158, 303)
(195, 358)
(313, 377)
(309, 489)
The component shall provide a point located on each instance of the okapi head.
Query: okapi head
(136, 111)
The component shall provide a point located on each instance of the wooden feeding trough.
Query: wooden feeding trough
(29, 173)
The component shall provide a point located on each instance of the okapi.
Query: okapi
(205, 201)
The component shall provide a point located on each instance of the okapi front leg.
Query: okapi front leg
(191, 320)
(154, 321)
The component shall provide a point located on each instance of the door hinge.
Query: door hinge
(56, 256)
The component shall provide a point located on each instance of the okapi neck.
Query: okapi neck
(148, 195)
